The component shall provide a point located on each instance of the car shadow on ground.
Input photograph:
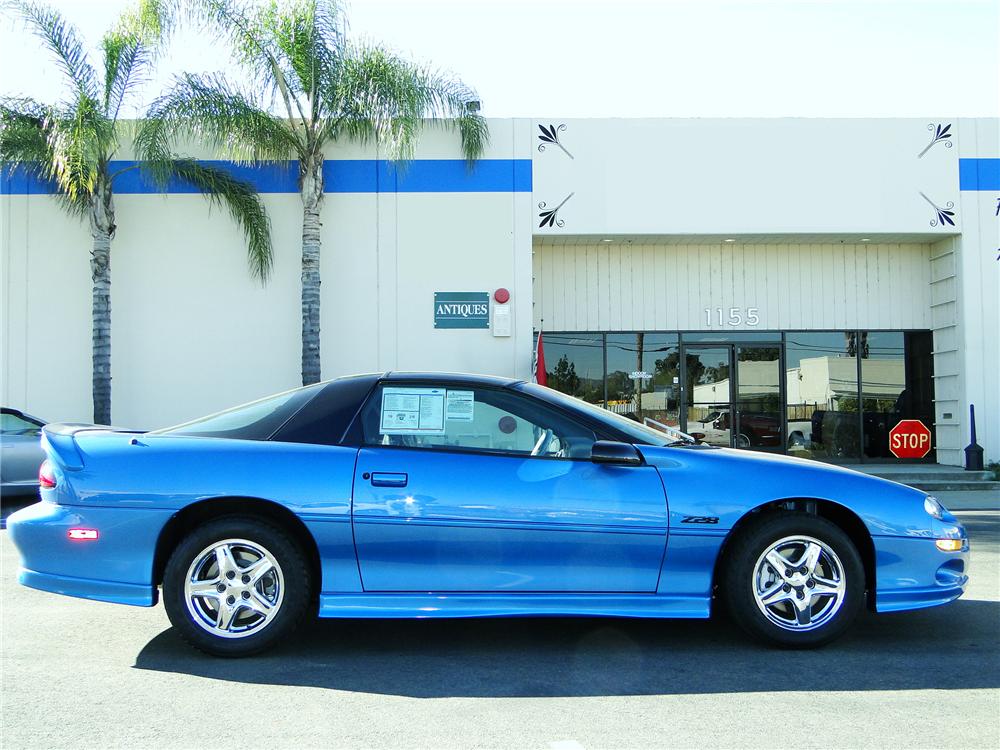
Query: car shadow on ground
(952, 647)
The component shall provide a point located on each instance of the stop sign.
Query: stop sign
(910, 438)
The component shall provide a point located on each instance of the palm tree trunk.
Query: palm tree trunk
(312, 197)
(102, 227)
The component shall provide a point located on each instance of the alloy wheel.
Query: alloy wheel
(234, 588)
(799, 583)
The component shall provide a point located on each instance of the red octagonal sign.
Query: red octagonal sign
(910, 439)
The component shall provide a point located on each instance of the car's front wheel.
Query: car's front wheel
(794, 580)
(236, 585)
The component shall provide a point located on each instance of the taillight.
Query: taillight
(46, 476)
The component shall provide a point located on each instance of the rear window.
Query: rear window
(257, 420)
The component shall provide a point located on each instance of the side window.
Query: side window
(11, 424)
(486, 419)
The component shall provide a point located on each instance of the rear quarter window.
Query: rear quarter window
(257, 420)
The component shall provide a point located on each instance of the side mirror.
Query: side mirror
(610, 452)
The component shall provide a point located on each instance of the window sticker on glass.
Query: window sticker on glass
(412, 411)
(460, 406)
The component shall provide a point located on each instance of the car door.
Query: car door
(464, 488)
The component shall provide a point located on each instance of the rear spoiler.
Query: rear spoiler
(59, 440)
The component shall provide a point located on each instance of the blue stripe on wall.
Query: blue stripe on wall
(979, 174)
(340, 176)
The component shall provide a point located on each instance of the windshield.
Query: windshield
(638, 433)
(257, 420)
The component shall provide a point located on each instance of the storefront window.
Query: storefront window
(574, 364)
(896, 384)
(758, 397)
(643, 376)
(821, 391)
(734, 394)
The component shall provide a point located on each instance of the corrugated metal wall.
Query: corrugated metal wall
(948, 407)
(599, 286)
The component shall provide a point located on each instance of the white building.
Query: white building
(789, 241)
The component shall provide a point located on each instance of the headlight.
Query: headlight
(934, 508)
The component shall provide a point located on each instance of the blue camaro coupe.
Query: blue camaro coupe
(439, 495)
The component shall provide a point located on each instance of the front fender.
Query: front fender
(710, 490)
(725, 485)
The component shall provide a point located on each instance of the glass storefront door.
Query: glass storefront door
(708, 393)
(732, 395)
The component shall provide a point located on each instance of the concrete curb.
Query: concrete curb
(970, 500)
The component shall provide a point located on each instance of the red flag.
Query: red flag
(540, 377)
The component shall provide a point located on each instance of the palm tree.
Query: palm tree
(72, 144)
(325, 89)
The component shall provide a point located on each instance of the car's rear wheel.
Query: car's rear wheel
(794, 580)
(235, 586)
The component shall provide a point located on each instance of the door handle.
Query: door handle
(388, 479)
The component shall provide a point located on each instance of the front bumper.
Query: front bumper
(912, 573)
(116, 567)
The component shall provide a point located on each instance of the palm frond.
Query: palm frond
(23, 140)
(310, 37)
(55, 145)
(151, 21)
(219, 114)
(79, 149)
(131, 48)
(378, 95)
(62, 41)
(447, 100)
(242, 25)
(244, 205)
(78, 206)
(29, 132)
(126, 60)
(475, 134)
(151, 142)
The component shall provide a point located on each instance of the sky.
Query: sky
(630, 58)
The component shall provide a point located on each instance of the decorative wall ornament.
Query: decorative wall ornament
(550, 216)
(944, 215)
(941, 135)
(550, 135)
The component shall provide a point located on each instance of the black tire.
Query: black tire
(295, 587)
(739, 571)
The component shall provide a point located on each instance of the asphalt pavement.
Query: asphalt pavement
(84, 674)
